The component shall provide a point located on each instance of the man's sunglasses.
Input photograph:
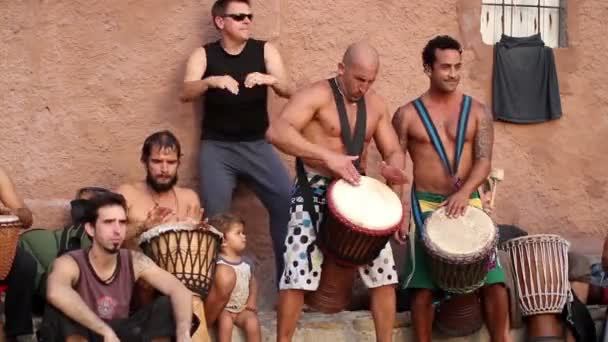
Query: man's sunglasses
(239, 16)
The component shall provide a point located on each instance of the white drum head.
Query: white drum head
(163, 228)
(463, 236)
(4, 219)
(535, 239)
(371, 205)
(174, 227)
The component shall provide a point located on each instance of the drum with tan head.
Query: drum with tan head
(10, 228)
(187, 251)
(358, 223)
(460, 249)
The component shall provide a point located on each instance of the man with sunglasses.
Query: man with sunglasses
(233, 75)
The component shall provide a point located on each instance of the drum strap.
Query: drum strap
(304, 185)
(431, 130)
(463, 120)
(308, 203)
(354, 144)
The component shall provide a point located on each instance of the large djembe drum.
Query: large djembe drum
(187, 251)
(10, 228)
(459, 253)
(358, 223)
(540, 265)
(460, 249)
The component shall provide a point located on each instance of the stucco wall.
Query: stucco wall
(85, 82)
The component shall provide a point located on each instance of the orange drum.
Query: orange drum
(10, 227)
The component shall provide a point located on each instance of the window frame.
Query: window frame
(511, 5)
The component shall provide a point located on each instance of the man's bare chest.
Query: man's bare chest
(329, 121)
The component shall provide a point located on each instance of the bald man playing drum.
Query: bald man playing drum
(311, 127)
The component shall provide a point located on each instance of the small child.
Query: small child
(241, 309)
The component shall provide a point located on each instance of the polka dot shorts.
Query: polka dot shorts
(303, 258)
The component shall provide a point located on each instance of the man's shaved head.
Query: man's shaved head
(358, 70)
(361, 54)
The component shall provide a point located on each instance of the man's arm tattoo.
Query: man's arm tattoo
(484, 138)
(398, 126)
(141, 262)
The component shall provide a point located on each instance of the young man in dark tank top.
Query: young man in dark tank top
(233, 76)
(90, 290)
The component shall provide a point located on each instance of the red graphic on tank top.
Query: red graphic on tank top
(106, 307)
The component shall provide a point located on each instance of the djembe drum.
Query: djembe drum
(460, 315)
(200, 333)
(459, 249)
(540, 264)
(187, 251)
(10, 228)
(358, 223)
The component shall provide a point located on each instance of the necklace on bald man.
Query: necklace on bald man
(341, 93)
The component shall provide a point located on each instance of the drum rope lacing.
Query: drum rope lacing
(551, 297)
(171, 247)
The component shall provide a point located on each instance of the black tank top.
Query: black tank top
(229, 117)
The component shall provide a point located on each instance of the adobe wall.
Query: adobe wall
(84, 83)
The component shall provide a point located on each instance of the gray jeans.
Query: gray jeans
(222, 163)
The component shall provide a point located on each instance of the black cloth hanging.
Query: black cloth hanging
(525, 84)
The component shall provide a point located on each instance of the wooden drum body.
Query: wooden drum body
(459, 250)
(10, 228)
(335, 286)
(359, 220)
(357, 225)
(187, 251)
(460, 315)
(540, 264)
